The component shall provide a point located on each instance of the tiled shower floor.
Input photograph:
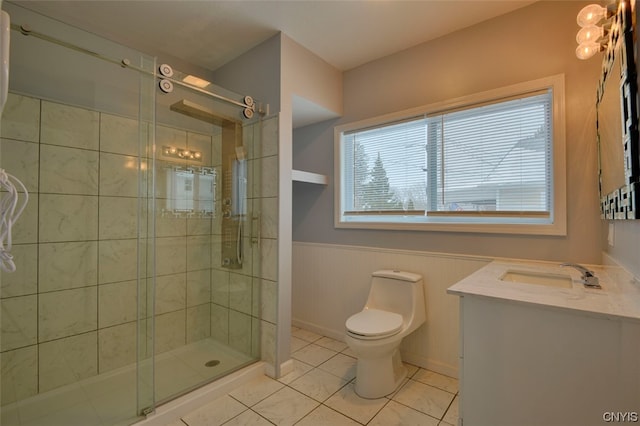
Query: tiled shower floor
(319, 392)
(110, 399)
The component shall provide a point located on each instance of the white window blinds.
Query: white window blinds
(385, 168)
(488, 159)
(492, 158)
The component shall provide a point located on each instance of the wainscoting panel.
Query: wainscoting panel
(331, 283)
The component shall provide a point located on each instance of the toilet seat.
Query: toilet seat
(374, 324)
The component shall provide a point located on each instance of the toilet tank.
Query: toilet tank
(396, 291)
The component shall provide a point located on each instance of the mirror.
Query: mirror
(190, 191)
(617, 121)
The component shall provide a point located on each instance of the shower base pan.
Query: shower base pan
(110, 398)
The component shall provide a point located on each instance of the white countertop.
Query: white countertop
(618, 298)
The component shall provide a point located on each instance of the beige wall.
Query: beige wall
(309, 77)
(626, 244)
(533, 42)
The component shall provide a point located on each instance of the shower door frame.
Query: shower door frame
(234, 136)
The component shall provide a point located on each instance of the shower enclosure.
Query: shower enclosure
(139, 256)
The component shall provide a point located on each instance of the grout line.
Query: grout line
(448, 407)
(348, 383)
(418, 411)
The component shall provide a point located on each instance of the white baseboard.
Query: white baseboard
(433, 365)
(270, 370)
(336, 335)
(286, 367)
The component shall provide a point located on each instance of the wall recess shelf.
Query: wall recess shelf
(308, 177)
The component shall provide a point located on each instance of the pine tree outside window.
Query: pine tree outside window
(492, 162)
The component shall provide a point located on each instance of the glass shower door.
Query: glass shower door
(206, 213)
(74, 315)
(139, 255)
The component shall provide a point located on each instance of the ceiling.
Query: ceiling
(210, 33)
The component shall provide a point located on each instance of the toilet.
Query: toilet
(395, 308)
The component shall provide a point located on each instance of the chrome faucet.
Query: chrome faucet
(588, 277)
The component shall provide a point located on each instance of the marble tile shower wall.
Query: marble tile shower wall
(69, 311)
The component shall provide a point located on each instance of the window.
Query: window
(492, 162)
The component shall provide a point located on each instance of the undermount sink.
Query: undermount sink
(537, 278)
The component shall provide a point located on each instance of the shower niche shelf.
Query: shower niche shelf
(309, 177)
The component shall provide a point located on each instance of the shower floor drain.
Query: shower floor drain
(212, 363)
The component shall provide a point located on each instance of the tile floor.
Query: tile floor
(320, 392)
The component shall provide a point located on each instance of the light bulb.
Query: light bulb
(587, 50)
(591, 15)
(589, 34)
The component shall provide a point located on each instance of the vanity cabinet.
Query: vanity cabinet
(530, 364)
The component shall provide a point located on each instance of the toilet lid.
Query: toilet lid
(374, 323)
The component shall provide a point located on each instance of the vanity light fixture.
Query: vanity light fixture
(185, 154)
(592, 37)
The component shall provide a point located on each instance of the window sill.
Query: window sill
(547, 229)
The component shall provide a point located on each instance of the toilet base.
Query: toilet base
(380, 376)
